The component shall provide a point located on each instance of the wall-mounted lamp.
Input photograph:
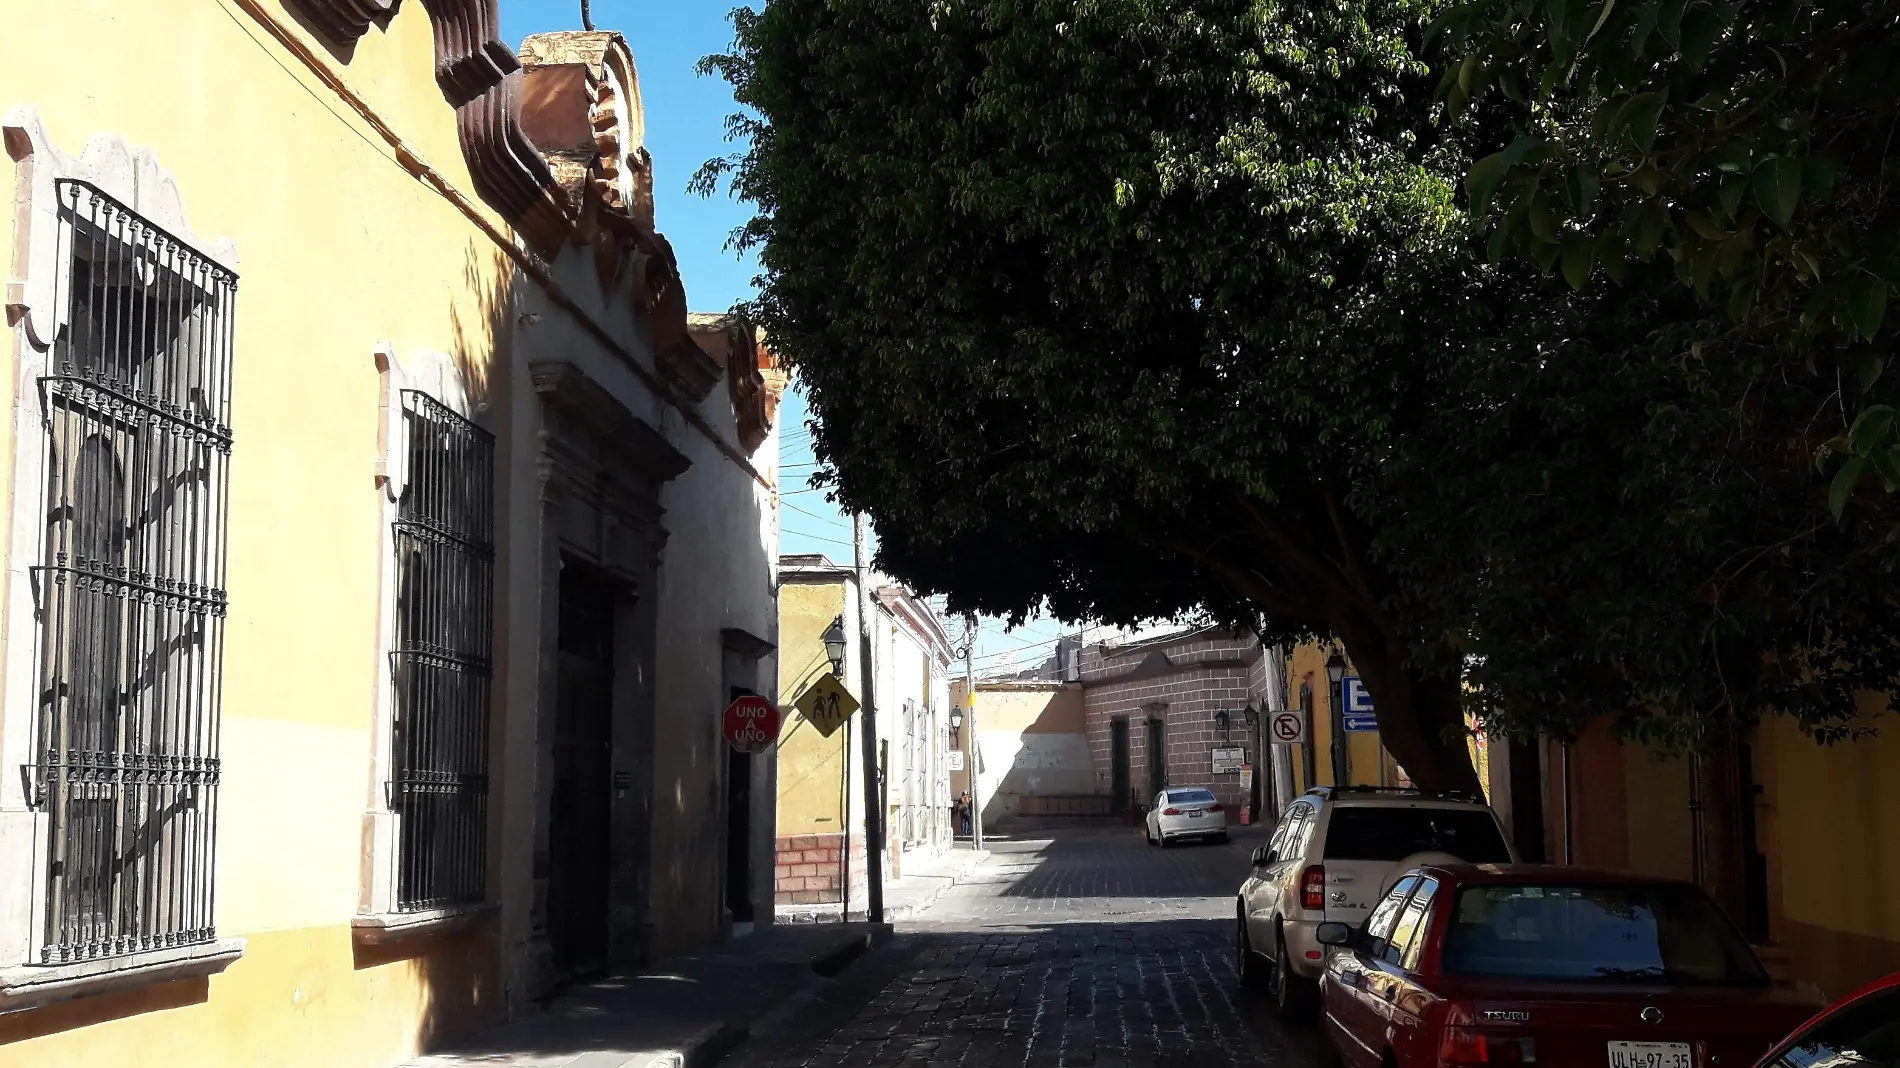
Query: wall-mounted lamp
(834, 645)
(956, 719)
(1223, 720)
(1336, 668)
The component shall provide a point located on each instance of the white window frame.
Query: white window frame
(435, 374)
(133, 177)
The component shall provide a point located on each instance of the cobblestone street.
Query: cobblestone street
(1078, 947)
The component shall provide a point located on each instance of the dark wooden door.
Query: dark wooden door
(578, 838)
(1118, 763)
(1157, 757)
(739, 831)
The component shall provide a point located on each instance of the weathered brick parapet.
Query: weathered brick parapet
(811, 868)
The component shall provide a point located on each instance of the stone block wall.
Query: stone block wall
(1210, 674)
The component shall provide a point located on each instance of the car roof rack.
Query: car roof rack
(1398, 791)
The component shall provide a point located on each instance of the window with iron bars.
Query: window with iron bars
(130, 591)
(445, 567)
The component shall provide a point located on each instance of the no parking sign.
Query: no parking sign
(1289, 727)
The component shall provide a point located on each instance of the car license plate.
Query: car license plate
(1650, 1055)
(1196, 815)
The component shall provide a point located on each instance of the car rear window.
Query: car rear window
(1189, 797)
(1603, 933)
(1389, 834)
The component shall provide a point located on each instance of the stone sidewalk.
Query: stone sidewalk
(686, 1014)
(925, 880)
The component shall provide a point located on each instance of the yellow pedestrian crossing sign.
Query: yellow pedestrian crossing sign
(827, 704)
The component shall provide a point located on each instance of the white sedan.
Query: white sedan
(1185, 813)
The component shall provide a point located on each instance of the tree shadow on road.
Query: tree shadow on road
(1132, 995)
(1118, 866)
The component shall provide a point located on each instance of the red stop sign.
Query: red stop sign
(751, 724)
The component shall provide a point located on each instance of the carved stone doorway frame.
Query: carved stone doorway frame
(600, 470)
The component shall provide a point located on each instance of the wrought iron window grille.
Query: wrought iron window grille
(130, 591)
(444, 536)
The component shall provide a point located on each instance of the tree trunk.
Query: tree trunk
(1421, 718)
(1310, 567)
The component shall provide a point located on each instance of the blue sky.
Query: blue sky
(685, 122)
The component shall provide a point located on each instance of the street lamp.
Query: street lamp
(834, 646)
(1336, 673)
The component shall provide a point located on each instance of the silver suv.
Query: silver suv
(1332, 856)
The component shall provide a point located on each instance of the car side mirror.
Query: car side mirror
(1334, 934)
(1262, 856)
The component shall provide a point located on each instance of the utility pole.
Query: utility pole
(969, 719)
(873, 808)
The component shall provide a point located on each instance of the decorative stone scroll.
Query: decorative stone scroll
(583, 102)
(754, 381)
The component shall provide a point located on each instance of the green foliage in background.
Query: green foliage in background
(1748, 144)
(1135, 308)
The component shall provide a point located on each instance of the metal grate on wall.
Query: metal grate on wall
(136, 408)
(444, 621)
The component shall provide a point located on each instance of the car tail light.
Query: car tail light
(1215, 807)
(1170, 812)
(1470, 1046)
(1313, 887)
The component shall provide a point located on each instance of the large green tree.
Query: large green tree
(1107, 303)
(1748, 145)
(1139, 307)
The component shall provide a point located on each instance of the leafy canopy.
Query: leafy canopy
(1749, 144)
(1138, 307)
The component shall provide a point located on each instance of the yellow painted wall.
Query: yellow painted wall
(1365, 758)
(339, 248)
(1656, 804)
(1830, 825)
(1047, 709)
(811, 767)
(960, 780)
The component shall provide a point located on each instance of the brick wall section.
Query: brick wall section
(809, 866)
(1187, 700)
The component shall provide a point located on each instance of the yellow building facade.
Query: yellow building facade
(1368, 764)
(334, 265)
(820, 848)
(1818, 871)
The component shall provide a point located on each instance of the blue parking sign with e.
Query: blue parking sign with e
(1358, 706)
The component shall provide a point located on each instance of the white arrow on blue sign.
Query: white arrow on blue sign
(1358, 710)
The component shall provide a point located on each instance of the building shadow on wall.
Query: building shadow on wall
(81, 1013)
(455, 976)
(454, 973)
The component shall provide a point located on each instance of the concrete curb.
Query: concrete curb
(709, 1044)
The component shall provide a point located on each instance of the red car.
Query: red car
(1863, 1031)
(1463, 966)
